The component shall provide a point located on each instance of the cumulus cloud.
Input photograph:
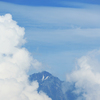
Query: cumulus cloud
(15, 61)
(86, 77)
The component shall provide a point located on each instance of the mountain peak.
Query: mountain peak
(46, 73)
(49, 84)
(44, 76)
(53, 86)
(41, 76)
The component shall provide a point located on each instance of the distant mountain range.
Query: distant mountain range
(53, 86)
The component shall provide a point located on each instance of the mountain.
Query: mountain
(52, 86)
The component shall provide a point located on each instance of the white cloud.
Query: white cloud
(87, 76)
(15, 61)
(8, 40)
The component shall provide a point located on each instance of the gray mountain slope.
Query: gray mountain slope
(52, 86)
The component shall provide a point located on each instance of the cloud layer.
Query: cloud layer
(15, 61)
(86, 77)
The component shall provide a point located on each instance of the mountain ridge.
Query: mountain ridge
(52, 86)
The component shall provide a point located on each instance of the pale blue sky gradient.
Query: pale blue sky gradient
(57, 35)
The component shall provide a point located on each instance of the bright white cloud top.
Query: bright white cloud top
(86, 77)
(15, 61)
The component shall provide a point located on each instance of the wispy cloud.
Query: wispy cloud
(66, 22)
(70, 29)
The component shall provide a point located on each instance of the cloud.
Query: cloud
(15, 61)
(66, 24)
(86, 77)
(8, 40)
(73, 30)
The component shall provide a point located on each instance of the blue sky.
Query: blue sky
(49, 2)
(57, 32)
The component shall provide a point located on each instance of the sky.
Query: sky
(61, 37)
(57, 32)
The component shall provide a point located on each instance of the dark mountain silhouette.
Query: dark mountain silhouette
(52, 86)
